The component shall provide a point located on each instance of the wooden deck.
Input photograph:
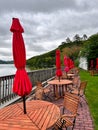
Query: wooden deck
(84, 120)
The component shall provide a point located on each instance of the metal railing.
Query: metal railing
(6, 83)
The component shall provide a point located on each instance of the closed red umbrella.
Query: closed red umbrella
(91, 64)
(22, 85)
(58, 64)
(71, 63)
(96, 63)
(66, 63)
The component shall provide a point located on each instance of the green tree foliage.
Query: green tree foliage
(84, 37)
(68, 40)
(77, 38)
(42, 61)
(90, 49)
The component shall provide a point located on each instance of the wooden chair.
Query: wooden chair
(75, 83)
(70, 71)
(64, 75)
(77, 71)
(68, 118)
(80, 91)
(41, 92)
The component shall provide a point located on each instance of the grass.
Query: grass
(91, 94)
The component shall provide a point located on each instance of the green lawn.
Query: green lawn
(91, 94)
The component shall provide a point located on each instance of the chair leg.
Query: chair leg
(63, 110)
(46, 96)
(73, 124)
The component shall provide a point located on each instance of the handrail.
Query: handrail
(6, 83)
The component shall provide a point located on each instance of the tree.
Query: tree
(77, 38)
(68, 40)
(84, 37)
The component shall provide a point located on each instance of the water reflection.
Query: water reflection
(8, 69)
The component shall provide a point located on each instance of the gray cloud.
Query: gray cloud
(46, 23)
(36, 5)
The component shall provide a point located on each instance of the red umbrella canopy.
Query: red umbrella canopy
(22, 85)
(71, 63)
(97, 63)
(58, 64)
(66, 63)
(91, 64)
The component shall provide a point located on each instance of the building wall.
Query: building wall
(83, 63)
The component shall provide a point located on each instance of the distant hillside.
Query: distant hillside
(6, 62)
(42, 61)
(47, 60)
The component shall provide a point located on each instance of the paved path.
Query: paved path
(84, 120)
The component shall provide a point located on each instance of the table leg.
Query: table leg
(56, 92)
(63, 92)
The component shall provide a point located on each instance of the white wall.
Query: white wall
(83, 63)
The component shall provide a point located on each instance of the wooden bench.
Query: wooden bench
(93, 72)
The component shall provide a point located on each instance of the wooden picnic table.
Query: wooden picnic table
(58, 85)
(40, 116)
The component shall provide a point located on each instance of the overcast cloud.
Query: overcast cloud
(46, 23)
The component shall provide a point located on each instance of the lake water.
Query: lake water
(8, 69)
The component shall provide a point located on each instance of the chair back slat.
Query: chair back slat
(71, 102)
(82, 87)
(76, 81)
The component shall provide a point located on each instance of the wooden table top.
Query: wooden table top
(70, 74)
(61, 82)
(40, 116)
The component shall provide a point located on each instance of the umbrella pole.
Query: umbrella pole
(24, 104)
(59, 78)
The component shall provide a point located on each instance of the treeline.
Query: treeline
(6, 62)
(46, 60)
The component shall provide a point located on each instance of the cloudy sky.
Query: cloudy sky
(46, 23)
